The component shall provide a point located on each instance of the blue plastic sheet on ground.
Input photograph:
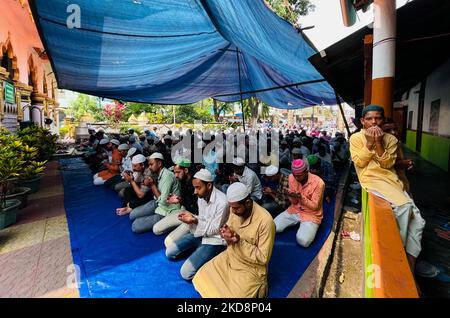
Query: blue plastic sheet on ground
(178, 51)
(115, 262)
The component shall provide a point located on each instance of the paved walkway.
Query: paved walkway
(35, 252)
(430, 188)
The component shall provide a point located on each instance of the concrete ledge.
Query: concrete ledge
(387, 271)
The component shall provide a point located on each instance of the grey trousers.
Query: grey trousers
(168, 223)
(410, 225)
(144, 217)
(306, 232)
(176, 234)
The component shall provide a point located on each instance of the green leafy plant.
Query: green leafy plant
(11, 162)
(41, 139)
(31, 167)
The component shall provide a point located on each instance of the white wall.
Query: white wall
(413, 105)
(438, 87)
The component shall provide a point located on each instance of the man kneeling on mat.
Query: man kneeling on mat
(306, 192)
(241, 270)
(204, 237)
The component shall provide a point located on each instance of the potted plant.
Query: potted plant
(31, 174)
(41, 139)
(10, 166)
(39, 146)
(19, 193)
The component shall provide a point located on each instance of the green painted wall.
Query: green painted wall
(436, 150)
(411, 138)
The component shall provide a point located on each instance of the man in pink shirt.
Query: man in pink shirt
(306, 196)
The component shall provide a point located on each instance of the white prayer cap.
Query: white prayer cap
(104, 141)
(271, 171)
(204, 175)
(238, 162)
(124, 147)
(131, 152)
(116, 142)
(156, 155)
(138, 159)
(237, 192)
(101, 130)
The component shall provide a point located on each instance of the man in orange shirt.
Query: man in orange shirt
(306, 195)
(112, 167)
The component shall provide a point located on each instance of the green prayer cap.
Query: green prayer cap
(183, 162)
(312, 160)
(372, 108)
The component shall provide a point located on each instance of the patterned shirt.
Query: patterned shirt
(281, 195)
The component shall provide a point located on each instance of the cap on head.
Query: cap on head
(299, 166)
(124, 147)
(312, 160)
(138, 159)
(271, 171)
(237, 192)
(104, 141)
(156, 155)
(372, 108)
(183, 162)
(204, 175)
(115, 142)
(239, 162)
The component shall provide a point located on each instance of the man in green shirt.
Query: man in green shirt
(146, 216)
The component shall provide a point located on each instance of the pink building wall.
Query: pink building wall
(16, 26)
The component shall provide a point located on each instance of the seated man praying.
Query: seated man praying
(241, 270)
(306, 192)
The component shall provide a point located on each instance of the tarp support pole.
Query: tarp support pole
(342, 113)
(240, 87)
(273, 88)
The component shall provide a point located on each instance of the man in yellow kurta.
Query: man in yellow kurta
(374, 154)
(241, 270)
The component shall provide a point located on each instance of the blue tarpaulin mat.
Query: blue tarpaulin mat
(115, 262)
(178, 51)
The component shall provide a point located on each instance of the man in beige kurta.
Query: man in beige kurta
(241, 270)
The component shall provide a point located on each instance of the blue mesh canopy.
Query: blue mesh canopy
(179, 51)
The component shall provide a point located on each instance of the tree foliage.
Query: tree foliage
(291, 10)
(221, 108)
(85, 104)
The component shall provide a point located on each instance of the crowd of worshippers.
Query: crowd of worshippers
(223, 215)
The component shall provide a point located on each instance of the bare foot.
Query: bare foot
(123, 211)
